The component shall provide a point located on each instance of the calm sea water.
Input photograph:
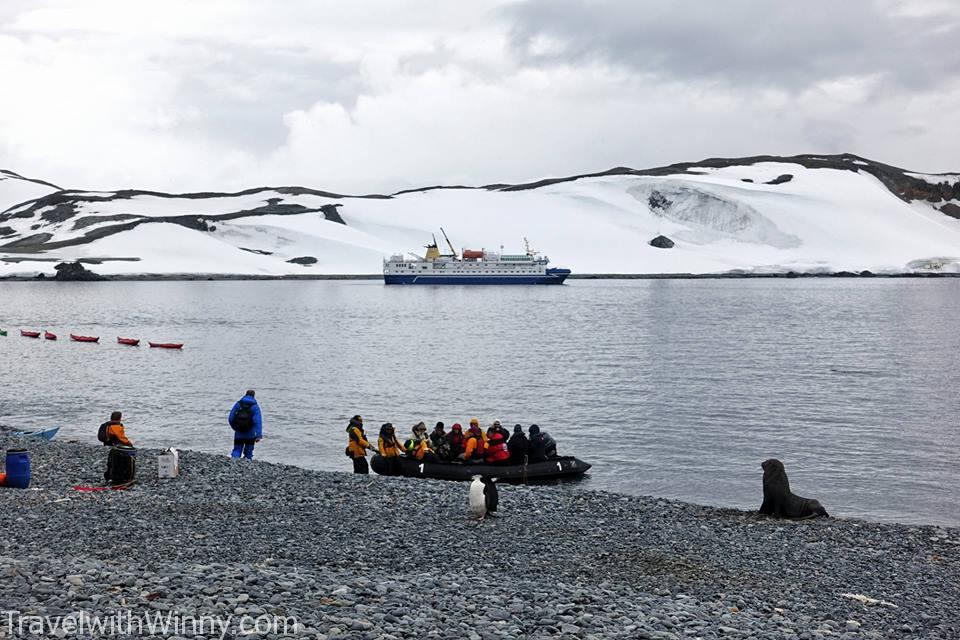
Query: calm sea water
(674, 388)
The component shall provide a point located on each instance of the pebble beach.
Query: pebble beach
(334, 555)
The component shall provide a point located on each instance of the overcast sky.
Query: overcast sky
(381, 95)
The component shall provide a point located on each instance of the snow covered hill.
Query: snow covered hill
(755, 215)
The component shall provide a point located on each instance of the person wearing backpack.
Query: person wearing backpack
(357, 445)
(247, 425)
(111, 433)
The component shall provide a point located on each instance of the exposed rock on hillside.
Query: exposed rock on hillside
(661, 242)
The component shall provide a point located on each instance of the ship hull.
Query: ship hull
(552, 276)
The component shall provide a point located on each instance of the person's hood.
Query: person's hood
(248, 400)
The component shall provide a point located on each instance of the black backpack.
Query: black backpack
(102, 432)
(121, 465)
(242, 418)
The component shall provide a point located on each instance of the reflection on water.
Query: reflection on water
(675, 388)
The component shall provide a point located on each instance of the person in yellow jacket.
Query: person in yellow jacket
(358, 445)
(389, 447)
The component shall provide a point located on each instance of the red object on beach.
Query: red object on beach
(77, 338)
(167, 345)
(49, 336)
(29, 334)
(133, 342)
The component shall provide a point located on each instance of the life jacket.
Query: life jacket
(417, 448)
(111, 434)
(389, 448)
(475, 447)
(497, 448)
(357, 447)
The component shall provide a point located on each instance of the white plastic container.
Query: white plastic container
(168, 464)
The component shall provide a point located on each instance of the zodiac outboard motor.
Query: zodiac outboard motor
(121, 465)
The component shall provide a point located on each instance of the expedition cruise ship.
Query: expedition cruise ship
(471, 267)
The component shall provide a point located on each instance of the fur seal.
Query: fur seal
(779, 501)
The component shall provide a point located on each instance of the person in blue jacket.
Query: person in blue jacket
(247, 425)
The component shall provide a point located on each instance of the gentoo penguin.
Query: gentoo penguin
(478, 501)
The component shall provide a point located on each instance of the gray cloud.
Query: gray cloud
(742, 42)
(240, 93)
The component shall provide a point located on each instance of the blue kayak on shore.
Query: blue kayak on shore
(45, 434)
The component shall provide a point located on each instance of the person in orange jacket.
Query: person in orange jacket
(112, 433)
(475, 447)
(358, 445)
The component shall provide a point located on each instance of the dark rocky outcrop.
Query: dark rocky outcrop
(661, 242)
(330, 213)
(903, 185)
(658, 201)
(951, 210)
(306, 261)
(259, 252)
(784, 177)
(74, 271)
(746, 180)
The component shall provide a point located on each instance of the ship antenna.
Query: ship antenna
(526, 244)
(449, 244)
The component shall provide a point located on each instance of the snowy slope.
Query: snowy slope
(803, 214)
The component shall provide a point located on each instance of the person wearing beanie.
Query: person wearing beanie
(438, 439)
(475, 447)
(475, 422)
(247, 423)
(358, 445)
(389, 447)
(455, 441)
(518, 446)
(496, 445)
(542, 445)
(437, 435)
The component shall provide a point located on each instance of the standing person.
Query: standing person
(389, 447)
(111, 433)
(247, 424)
(518, 445)
(358, 445)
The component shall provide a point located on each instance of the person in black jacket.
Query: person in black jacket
(518, 445)
(542, 445)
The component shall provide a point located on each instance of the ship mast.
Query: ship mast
(453, 251)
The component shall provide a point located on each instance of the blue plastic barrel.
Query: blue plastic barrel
(18, 468)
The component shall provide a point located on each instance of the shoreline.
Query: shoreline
(367, 557)
(192, 277)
